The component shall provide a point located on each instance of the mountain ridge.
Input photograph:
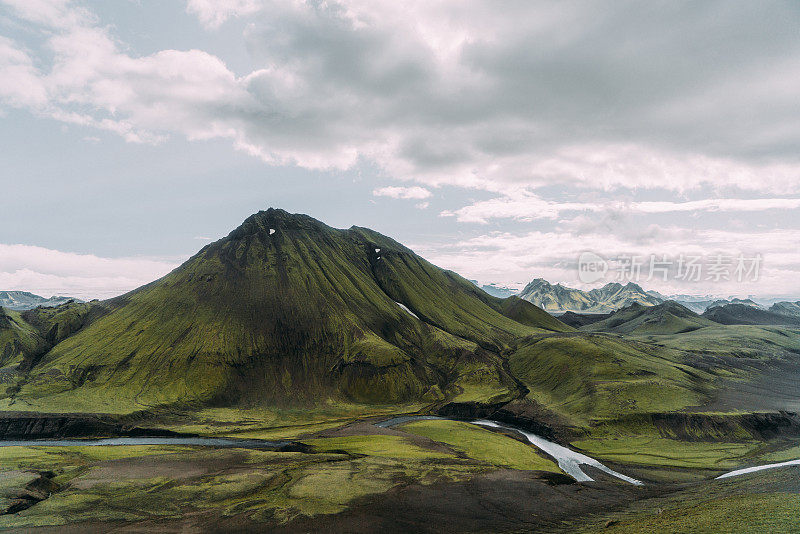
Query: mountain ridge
(743, 314)
(25, 300)
(557, 298)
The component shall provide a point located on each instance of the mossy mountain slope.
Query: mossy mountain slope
(286, 310)
(25, 336)
(17, 338)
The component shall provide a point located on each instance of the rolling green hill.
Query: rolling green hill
(667, 318)
(585, 377)
(288, 311)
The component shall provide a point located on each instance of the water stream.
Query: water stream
(208, 442)
(568, 460)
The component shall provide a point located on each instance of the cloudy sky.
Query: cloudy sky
(498, 139)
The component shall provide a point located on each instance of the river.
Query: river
(207, 442)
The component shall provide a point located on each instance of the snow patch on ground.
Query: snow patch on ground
(758, 468)
(404, 307)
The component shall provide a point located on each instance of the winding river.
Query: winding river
(569, 461)
(206, 442)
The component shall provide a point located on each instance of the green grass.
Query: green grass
(483, 445)
(275, 422)
(100, 484)
(595, 376)
(767, 502)
(736, 341)
(656, 451)
(756, 514)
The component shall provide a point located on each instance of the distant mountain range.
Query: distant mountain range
(22, 300)
(791, 309)
(496, 290)
(560, 299)
(670, 317)
(611, 297)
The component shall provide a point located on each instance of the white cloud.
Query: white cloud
(508, 258)
(20, 84)
(52, 272)
(527, 206)
(213, 13)
(427, 91)
(414, 192)
(608, 99)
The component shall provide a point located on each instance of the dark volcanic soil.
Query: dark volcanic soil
(777, 387)
(503, 500)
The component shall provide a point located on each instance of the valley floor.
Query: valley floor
(353, 476)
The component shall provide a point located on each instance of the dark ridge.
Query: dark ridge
(747, 315)
(577, 320)
(22, 425)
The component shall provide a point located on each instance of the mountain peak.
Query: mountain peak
(272, 220)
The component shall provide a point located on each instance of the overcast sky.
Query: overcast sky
(498, 139)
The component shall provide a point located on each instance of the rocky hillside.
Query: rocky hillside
(611, 297)
(22, 300)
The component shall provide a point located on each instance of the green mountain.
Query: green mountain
(667, 318)
(285, 311)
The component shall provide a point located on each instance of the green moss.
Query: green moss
(774, 513)
(656, 451)
(585, 376)
(483, 445)
(792, 453)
